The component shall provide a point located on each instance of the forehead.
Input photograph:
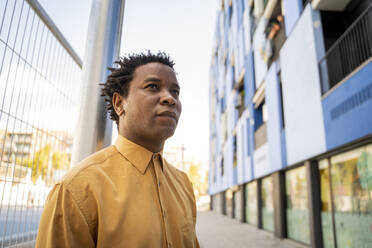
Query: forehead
(155, 69)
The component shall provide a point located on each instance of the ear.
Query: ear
(118, 103)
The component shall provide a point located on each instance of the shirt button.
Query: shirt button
(155, 156)
(159, 184)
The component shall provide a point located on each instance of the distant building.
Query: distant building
(17, 146)
(291, 118)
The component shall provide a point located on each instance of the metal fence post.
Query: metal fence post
(94, 129)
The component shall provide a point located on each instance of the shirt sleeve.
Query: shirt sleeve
(62, 223)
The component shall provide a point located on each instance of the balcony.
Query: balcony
(330, 5)
(349, 52)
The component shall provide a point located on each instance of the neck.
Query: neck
(146, 143)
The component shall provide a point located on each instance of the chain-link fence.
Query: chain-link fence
(39, 90)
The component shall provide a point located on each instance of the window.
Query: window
(326, 204)
(260, 115)
(235, 161)
(229, 202)
(267, 204)
(251, 213)
(240, 104)
(297, 205)
(260, 119)
(222, 167)
(346, 198)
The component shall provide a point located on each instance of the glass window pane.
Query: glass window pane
(267, 204)
(297, 205)
(237, 204)
(251, 203)
(229, 200)
(351, 186)
(326, 205)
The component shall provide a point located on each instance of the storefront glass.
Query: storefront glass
(267, 204)
(229, 202)
(297, 205)
(251, 214)
(351, 177)
(237, 204)
(326, 205)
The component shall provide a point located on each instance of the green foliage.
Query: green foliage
(199, 182)
(41, 161)
(61, 161)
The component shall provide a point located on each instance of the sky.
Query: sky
(183, 29)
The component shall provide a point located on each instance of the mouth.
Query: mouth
(168, 114)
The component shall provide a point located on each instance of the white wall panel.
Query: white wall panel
(303, 115)
(261, 161)
(247, 30)
(260, 67)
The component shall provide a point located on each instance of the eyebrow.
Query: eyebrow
(152, 79)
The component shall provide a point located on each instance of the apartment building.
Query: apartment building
(291, 118)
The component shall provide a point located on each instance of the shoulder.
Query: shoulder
(87, 176)
(86, 167)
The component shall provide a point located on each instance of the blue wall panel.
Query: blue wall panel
(292, 11)
(249, 85)
(235, 176)
(249, 88)
(348, 109)
(283, 148)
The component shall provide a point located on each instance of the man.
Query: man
(127, 195)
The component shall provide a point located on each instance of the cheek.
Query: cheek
(179, 107)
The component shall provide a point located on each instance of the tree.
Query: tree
(199, 182)
(44, 158)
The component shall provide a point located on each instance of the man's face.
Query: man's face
(152, 107)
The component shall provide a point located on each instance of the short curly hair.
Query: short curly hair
(120, 77)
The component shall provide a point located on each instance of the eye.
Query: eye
(152, 86)
(176, 92)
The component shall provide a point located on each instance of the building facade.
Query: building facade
(291, 118)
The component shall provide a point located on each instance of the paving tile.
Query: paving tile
(218, 231)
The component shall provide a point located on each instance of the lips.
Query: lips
(169, 114)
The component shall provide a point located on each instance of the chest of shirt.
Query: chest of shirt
(153, 205)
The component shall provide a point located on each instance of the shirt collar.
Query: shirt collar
(137, 155)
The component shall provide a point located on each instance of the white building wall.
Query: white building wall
(260, 66)
(261, 161)
(303, 115)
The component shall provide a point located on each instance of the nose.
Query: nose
(167, 99)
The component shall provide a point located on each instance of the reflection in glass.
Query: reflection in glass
(229, 202)
(297, 205)
(351, 175)
(267, 204)
(237, 204)
(326, 205)
(251, 214)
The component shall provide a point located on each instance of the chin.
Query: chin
(166, 133)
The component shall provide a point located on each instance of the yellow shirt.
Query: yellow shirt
(121, 196)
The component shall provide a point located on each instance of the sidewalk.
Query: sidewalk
(215, 230)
